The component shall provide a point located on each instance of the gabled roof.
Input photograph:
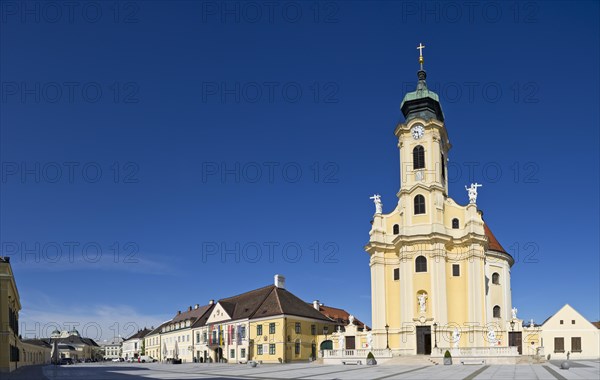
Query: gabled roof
(597, 324)
(139, 335)
(202, 320)
(266, 302)
(194, 314)
(37, 342)
(569, 307)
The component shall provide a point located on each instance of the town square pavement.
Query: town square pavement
(129, 371)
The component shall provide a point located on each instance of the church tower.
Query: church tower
(439, 277)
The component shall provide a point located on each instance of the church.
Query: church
(439, 277)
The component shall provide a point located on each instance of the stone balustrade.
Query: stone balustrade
(358, 353)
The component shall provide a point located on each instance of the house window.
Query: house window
(575, 344)
(559, 345)
(271, 328)
(271, 349)
(495, 278)
(396, 229)
(297, 348)
(421, 264)
(418, 157)
(204, 336)
(325, 330)
(258, 330)
(297, 328)
(313, 329)
(455, 223)
(496, 311)
(455, 270)
(243, 353)
(232, 353)
(197, 337)
(562, 322)
(419, 202)
(572, 321)
(396, 274)
(259, 349)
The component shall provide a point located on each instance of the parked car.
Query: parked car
(65, 361)
(131, 360)
(117, 360)
(147, 359)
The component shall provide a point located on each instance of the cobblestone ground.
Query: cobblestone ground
(128, 371)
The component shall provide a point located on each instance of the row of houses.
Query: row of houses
(269, 324)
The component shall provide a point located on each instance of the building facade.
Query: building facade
(439, 276)
(133, 346)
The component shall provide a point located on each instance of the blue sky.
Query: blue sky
(156, 155)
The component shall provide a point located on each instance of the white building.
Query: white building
(132, 346)
(568, 332)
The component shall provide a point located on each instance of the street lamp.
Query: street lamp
(512, 326)
(387, 336)
(435, 325)
(511, 337)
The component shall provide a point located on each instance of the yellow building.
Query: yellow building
(439, 277)
(269, 324)
(13, 352)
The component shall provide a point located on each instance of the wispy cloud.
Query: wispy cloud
(99, 322)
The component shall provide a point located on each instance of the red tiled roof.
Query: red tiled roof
(494, 244)
(191, 314)
(597, 324)
(340, 316)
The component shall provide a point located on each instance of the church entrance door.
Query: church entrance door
(515, 339)
(423, 340)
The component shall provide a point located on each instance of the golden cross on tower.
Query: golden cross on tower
(420, 49)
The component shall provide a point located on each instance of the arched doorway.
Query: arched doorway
(218, 354)
(326, 345)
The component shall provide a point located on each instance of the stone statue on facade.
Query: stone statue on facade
(422, 302)
(491, 335)
(531, 324)
(514, 312)
(351, 319)
(370, 339)
(341, 342)
(378, 205)
(455, 337)
(472, 191)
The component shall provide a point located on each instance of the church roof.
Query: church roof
(422, 102)
(494, 244)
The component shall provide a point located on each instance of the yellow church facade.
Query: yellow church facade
(439, 277)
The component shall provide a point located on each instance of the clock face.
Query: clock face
(417, 131)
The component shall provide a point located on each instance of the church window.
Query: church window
(443, 163)
(396, 274)
(419, 204)
(418, 157)
(496, 311)
(495, 278)
(396, 229)
(421, 264)
(455, 223)
(455, 270)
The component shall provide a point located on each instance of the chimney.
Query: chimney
(316, 304)
(190, 308)
(196, 306)
(280, 281)
(178, 312)
(211, 302)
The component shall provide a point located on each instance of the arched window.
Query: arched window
(421, 264)
(396, 229)
(496, 278)
(455, 223)
(419, 204)
(496, 311)
(418, 157)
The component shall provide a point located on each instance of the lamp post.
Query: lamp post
(387, 336)
(511, 337)
(435, 325)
